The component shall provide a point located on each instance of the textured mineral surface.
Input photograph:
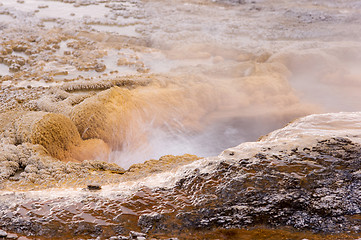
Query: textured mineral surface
(294, 177)
(111, 109)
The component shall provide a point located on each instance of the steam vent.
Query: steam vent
(180, 119)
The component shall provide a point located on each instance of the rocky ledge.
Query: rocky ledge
(310, 182)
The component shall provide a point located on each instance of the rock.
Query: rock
(31, 168)
(3, 233)
(147, 221)
(309, 188)
(137, 235)
(55, 132)
(59, 136)
(305, 190)
(105, 116)
(164, 163)
(12, 236)
(103, 166)
(8, 168)
(118, 238)
(94, 187)
(100, 67)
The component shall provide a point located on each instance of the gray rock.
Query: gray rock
(94, 187)
(147, 221)
(31, 169)
(12, 236)
(3, 233)
(118, 238)
(137, 235)
(315, 188)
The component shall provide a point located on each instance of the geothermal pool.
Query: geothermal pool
(94, 92)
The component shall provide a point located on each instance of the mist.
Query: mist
(206, 99)
(205, 108)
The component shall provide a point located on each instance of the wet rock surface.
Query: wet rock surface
(316, 188)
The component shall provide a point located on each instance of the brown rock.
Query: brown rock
(56, 133)
(59, 136)
(105, 116)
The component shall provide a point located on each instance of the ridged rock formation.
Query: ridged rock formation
(58, 135)
(105, 116)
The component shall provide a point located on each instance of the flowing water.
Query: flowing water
(199, 76)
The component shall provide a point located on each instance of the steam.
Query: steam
(328, 75)
(221, 81)
(230, 97)
(206, 108)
